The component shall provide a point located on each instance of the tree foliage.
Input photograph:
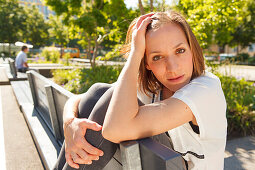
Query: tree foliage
(22, 24)
(244, 34)
(36, 27)
(58, 32)
(93, 21)
(213, 21)
(12, 21)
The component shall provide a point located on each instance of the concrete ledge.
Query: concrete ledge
(3, 77)
(45, 142)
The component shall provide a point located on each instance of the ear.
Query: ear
(145, 62)
(147, 67)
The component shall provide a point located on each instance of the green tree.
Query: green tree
(12, 21)
(58, 31)
(244, 34)
(213, 21)
(92, 21)
(147, 6)
(36, 27)
(141, 8)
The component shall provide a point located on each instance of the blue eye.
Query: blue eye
(180, 50)
(156, 58)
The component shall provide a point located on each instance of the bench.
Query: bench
(43, 108)
(12, 73)
(37, 117)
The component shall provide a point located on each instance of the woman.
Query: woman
(166, 55)
(180, 97)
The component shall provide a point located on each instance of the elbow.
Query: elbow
(111, 134)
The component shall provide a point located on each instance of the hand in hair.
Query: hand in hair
(138, 35)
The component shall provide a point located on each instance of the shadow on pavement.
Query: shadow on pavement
(240, 154)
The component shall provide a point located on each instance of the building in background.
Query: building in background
(234, 50)
(39, 4)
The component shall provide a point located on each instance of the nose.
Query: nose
(171, 64)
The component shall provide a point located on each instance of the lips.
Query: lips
(176, 79)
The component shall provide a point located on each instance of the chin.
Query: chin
(176, 87)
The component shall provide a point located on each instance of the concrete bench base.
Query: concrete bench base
(45, 142)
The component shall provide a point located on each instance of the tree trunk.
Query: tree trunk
(237, 49)
(95, 52)
(88, 49)
(151, 4)
(61, 51)
(141, 7)
(4, 49)
(9, 49)
(222, 48)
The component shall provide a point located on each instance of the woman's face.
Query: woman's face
(169, 56)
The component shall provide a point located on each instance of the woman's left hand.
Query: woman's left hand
(138, 35)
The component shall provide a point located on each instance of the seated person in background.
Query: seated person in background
(21, 60)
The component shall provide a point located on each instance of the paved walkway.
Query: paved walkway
(240, 154)
(239, 71)
(20, 151)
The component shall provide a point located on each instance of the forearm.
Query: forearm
(25, 64)
(124, 105)
(71, 108)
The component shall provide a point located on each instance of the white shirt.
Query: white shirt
(204, 96)
(21, 59)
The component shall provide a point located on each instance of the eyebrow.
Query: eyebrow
(174, 47)
(178, 45)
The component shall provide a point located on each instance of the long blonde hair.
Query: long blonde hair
(147, 81)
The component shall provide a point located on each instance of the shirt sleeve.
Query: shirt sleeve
(24, 58)
(205, 98)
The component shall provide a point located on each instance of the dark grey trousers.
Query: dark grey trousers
(93, 106)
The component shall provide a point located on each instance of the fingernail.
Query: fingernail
(102, 153)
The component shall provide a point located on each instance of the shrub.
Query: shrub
(55, 55)
(52, 55)
(240, 98)
(251, 60)
(103, 74)
(242, 57)
(66, 58)
(46, 54)
(79, 80)
(69, 79)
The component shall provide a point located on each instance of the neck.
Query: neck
(167, 93)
